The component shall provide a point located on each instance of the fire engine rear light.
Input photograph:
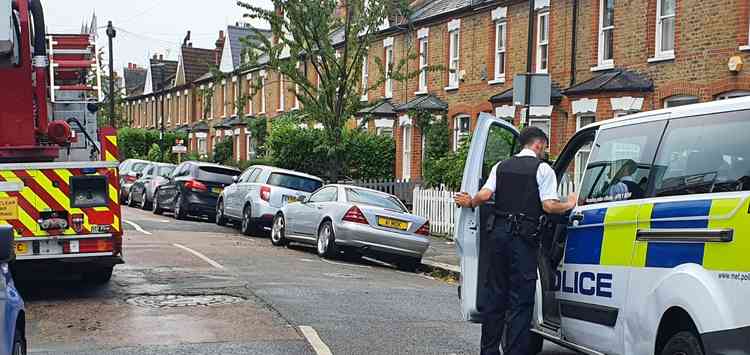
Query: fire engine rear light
(265, 193)
(195, 185)
(424, 229)
(355, 215)
(87, 246)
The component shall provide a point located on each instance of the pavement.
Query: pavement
(191, 287)
(442, 255)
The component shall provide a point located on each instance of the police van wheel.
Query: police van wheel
(19, 343)
(537, 342)
(683, 343)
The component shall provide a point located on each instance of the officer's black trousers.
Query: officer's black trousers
(509, 292)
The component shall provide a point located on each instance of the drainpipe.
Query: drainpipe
(573, 44)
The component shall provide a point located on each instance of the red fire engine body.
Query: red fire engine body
(58, 167)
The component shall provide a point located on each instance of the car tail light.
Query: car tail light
(265, 193)
(355, 215)
(195, 185)
(424, 229)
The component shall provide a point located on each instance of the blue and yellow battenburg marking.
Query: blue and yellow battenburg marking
(607, 236)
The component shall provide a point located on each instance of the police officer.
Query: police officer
(525, 188)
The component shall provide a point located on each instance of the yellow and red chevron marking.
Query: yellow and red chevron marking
(49, 190)
(108, 138)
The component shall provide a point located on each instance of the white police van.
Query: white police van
(655, 259)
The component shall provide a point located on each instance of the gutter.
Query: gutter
(573, 44)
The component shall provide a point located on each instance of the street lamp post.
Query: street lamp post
(529, 66)
(111, 33)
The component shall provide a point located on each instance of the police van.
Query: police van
(655, 258)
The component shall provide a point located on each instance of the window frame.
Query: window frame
(499, 74)
(282, 95)
(424, 47)
(660, 53)
(680, 98)
(459, 136)
(262, 95)
(388, 85)
(365, 79)
(547, 120)
(542, 43)
(454, 61)
(323, 189)
(407, 131)
(602, 62)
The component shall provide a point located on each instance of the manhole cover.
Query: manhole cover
(168, 301)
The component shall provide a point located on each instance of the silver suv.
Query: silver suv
(259, 193)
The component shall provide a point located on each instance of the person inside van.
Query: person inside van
(623, 185)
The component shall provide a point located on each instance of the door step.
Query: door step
(564, 343)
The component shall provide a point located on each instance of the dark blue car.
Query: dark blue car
(13, 326)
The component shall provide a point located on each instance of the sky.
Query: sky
(147, 27)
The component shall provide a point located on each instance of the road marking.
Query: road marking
(137, 227)
(314, 339)
(345, 264)
(203, 257)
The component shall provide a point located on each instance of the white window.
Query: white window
(582, 157)
(296, 89)
(454, 64)
(262, 94)
(282, 94)
(423, 47)
(365, 78)
(461, 130)
(384, 131)
(202, 146)
(542, 46)
(211, 101)
(249, 146)
(680, 100)
(225, 94)
(545, 124)
(733, 94)
(665, 26)
(606, 33)
(236, 98)
(388, 68)
(406, 160)
(500, 35)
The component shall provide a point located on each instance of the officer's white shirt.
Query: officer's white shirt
(545, 178)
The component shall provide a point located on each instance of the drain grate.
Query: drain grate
(170, 301)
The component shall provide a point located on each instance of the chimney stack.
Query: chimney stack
(156, 56)
(161, 56)
(219, 48)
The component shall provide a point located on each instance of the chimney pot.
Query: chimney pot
(161, 56)
(156, 56)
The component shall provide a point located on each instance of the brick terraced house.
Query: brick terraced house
(606, 58)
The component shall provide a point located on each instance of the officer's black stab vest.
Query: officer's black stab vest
(517, 191)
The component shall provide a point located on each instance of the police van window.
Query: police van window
(704, 154)
(501, 144)
(620, 163)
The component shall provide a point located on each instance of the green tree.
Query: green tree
(332, 38)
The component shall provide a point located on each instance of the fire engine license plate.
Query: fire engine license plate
(22, 248)
(392, 223)
(50, 247)
(8, 208)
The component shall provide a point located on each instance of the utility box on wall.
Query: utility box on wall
(541, 89)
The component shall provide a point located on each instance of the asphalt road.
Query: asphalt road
(191, 287)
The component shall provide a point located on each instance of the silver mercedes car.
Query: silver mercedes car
(343, 218)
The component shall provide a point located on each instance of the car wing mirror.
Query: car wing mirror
(6, 244)
(235, 179)
(303, 199)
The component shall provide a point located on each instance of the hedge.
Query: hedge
(137, 143)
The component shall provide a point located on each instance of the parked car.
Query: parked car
(193, 189)
(130, 170)
(257, 195)
(355, 219)
(154, 175)
(13, 339)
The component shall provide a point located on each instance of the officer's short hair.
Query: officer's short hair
(530, 135)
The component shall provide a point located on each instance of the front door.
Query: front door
(494, 140)
(591, 284)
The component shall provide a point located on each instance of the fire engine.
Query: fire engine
(65, 213)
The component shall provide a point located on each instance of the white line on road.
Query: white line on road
(314, 339)
(137, 227)
(345, 264)
(203, 257)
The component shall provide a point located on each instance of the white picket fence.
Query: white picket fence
(438, 207)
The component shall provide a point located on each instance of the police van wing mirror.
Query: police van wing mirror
(6, 244)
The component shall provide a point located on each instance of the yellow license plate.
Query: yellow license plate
(22, 248)
(291, 199)
(217, 190)
(8, 208)
(392, 223)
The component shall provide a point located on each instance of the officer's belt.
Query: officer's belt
(517, 217)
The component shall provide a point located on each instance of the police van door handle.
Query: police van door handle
(577, 217)
(473, 225)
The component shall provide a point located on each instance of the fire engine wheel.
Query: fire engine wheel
(683, 343)
(144, 201)
(19, 343)
(179, 212)
(98, 276)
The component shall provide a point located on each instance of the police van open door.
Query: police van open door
(494, 140)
